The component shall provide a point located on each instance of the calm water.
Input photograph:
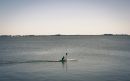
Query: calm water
(100, 58)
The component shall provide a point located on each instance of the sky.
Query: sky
(79, 17)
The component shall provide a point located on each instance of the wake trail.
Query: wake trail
(30, 61)
(33, 61)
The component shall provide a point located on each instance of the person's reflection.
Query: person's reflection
(64, 62)
(64, 65)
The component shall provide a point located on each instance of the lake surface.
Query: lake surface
(99, 58)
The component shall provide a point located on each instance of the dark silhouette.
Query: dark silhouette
(66, 56)
(66, 53)
(63, 58)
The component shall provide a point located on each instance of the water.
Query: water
(100, 58)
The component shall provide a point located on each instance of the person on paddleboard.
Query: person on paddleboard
(66, 56)
(63, 58)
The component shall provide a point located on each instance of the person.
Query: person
(66, 56)
(63, 58)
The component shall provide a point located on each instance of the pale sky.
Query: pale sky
(47, 17)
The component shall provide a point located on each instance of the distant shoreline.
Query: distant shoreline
(61, 35)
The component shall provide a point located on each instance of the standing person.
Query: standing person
(66, 56)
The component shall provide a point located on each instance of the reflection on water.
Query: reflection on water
(64, 65)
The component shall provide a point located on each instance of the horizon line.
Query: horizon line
(57, 34)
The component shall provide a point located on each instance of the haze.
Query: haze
(46, 17)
